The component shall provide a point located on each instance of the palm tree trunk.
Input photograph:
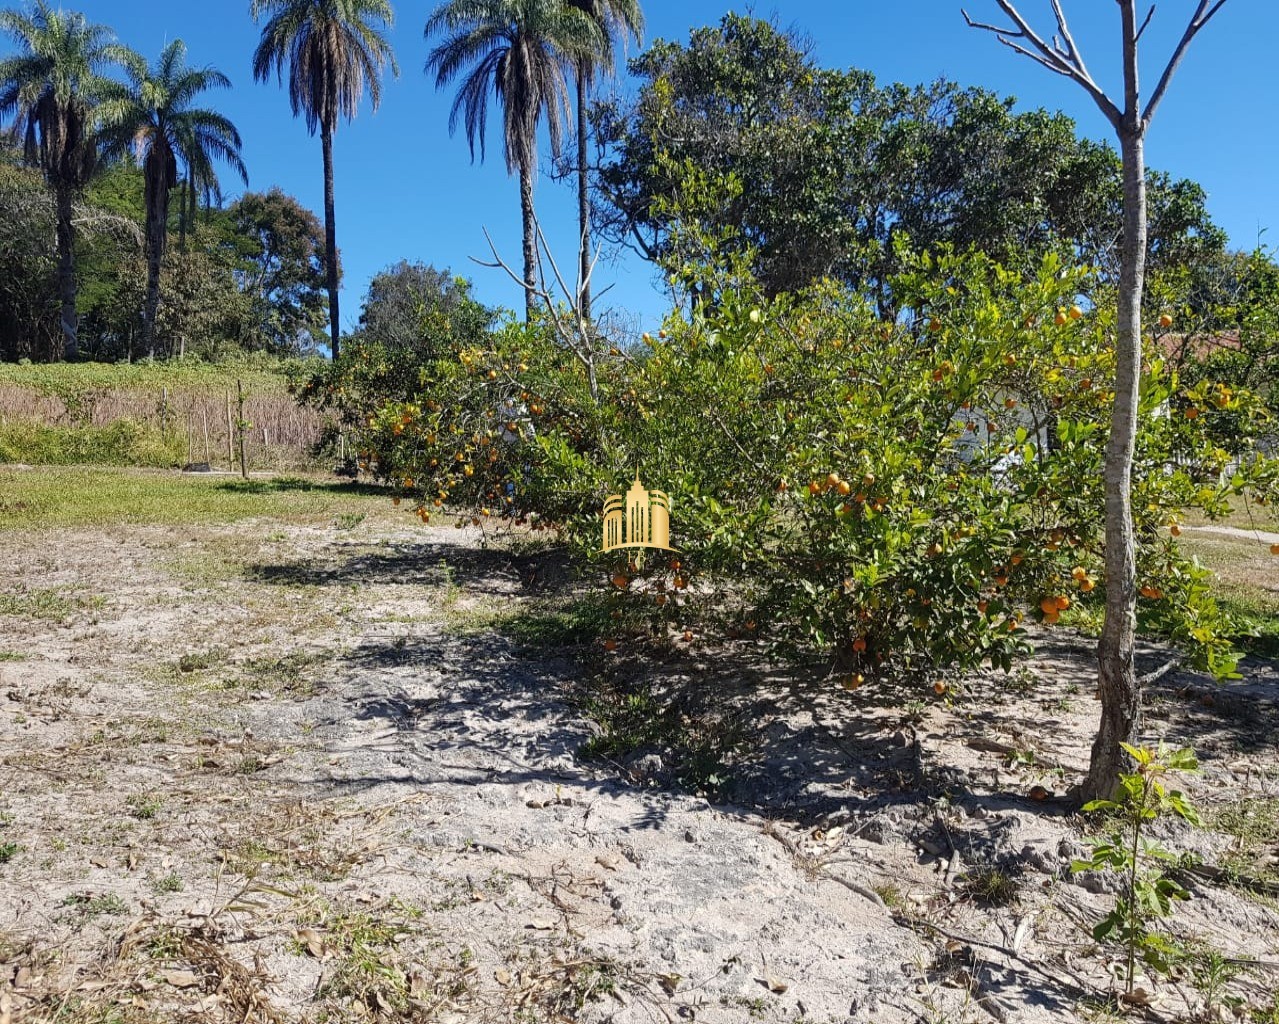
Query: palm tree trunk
(66, 273)
(182, 215)
(157, 204)
(583, 202)
(330, 240)
(1117, 676)
(530, 242)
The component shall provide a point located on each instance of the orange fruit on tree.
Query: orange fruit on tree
(1192, 413)
(610, 645)
(620, 581)
(1274, 549)
(1048, 606)
(1086, 585)
(1165, 321)
(1075, 312)
(688, 635)
(939, 688)
(1063, 602)
(1060, 318)
(982, 606)
(859, 644)
(1153, 593)
(1174, 529)
(844, 487)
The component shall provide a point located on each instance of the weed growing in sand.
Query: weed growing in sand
(1148, 893)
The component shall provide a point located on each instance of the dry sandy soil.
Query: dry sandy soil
(273, 772)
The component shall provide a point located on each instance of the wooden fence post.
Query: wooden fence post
(230, 436)
(241, 426)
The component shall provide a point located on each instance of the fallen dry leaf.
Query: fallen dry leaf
(180, 979)
(502, 976)
(312, 940)
(774, 984)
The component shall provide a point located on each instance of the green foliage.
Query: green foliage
(1148, 892)
(896, 496)
(835, 168)
(51, 497)
(122, 443)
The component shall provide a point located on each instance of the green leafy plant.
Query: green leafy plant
(1148, 893)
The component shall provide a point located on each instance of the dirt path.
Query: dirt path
(1260, 536)
(269, 772)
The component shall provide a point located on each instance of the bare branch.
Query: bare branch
(1061, 56)
(1142, 31)
(1203, 14)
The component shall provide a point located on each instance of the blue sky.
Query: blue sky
(405, 189)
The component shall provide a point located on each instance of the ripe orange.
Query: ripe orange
(1075, 312)
(939, 688)
(1153, 593)
(814, 487)
(844, 487)
(620, 581)
(688, 635)
(1016, 559)
(1174, 529)
(610, 645)
(1010, 403)
(1165, 321)
(1063, 602)
(1086, 585)
(832, 479)
(1048, 606)
(859, 644)
(1192, 413)
(1079, 573)
(982, 606)
(1060, 318)
(1274, 549)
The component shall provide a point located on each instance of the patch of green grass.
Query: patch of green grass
(8, 851)
(122, 443)
(171, 882)
(583, 621)
(1254, 824)
(12, 656)
(144, 807)
(91, 906)
(990, 886)
(56, 496)
(1248, 586)
(47, 603)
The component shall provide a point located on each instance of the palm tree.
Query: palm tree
(613, 19)
(151, 116)
(49, 87)
(335, 50)
(517, 49)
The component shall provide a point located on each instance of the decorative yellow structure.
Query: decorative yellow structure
(642, 519)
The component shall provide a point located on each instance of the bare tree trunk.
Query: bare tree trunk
(583, 202)
(330, 241)
(530, 242)
(1117, 677)
(66, 273)
(1117, 672)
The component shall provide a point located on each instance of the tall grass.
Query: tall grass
(152, 414)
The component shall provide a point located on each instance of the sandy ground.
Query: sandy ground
(277, 773)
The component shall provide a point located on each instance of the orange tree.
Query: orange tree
(899, 499)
